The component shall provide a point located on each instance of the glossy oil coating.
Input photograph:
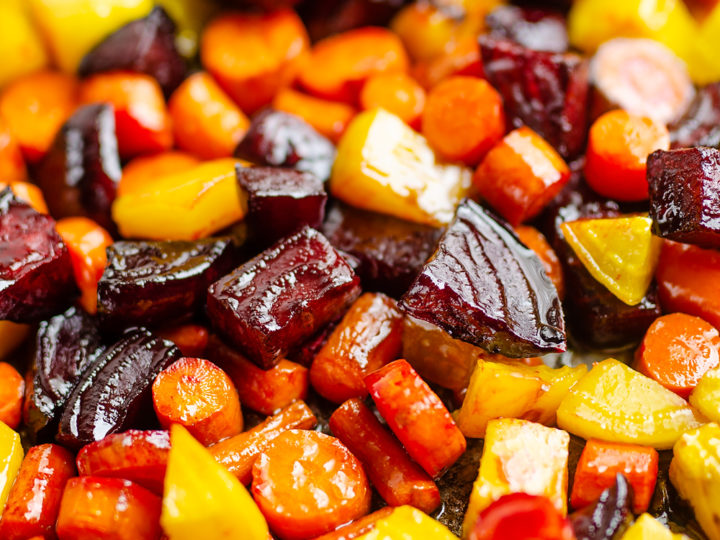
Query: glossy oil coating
(700, 125)
(609, 517)
(534, 28)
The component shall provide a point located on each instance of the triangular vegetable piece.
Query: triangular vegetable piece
(408, 523)
(11, 455)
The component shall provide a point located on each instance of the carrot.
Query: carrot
(206, 122)
(12, 390)
(34, 501)
(339, 65)
(145, 169)
(461, 58)
(29, 193)
(238, 453)
(368, 337)
(35, 106)
(253, 56)
(417, 416)
(87, 242)
(198, 395)
(142, 121)
(398, 480)
(463, 119)
(520, 175)
(599, 463)
(191, 339)
(535, 240)
(618, 146)
(426, 29)
(307, 484)
(358, 527)
(329, 118)
(398, 93)
(12, 164)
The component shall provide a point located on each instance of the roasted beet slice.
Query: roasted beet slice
(533, 28)
(609, 517)
(685, 195)
(280, 139)
(80, 172)
(145, 45)
(548, 92)
(700, 125)
(114, 394)
(485, 287)
(277, 300)
(171, 278)
(281, 201)
(36, 275)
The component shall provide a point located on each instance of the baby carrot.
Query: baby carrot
(12, 390)
(397, 93)
(145, 169)
(329, 118)
(12, 164)
(535, 240)
(191, 339)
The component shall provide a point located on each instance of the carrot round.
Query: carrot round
(198, 395)
(329, 118)
(12, 164)
(191, 339)
(463, 119)
(12, 390)
(535, 240)
(397, 93)
(307, 484)
(145, 169)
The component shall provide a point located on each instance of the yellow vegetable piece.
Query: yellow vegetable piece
(190, 17)
(11, 456)
(615, 403)
(73, 27)
(514, 391)
(695, 473)
(408, 523)
(385, 166)
(21, 47)
(520, 456)
(183, 206)
(704, 64)
(621, 253)
(648, 528)
(706, 395)
(202, 499)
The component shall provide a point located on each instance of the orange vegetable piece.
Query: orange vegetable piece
(461, 58)
(677, 350)
(87, 242)
(35, 106)
(206, 122)
(520, 175)
(198, 395)
(358, 527)
(29, 193)
(618, 146)
(145, 169)
(191, 339)
(12, 390)
(307, 483)
(535, 240)
(397, 93)
(339, 65)
(329, 118)
(142, 121)
(253, 56)
(599, 463)
(12, 164)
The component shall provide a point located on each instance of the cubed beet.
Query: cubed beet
(700, 125)
(534, 28)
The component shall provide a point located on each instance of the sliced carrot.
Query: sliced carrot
(307, 484)
(142, 121)
(238, 453)
(425, 29)
(599, 463)
(461, 58)
(339, 65)
(618, 146)
(12, 390)
(253, 56)
(359, 527)
(191, 339)
(463, 119)
(29, 193)
(329, 118)
(398, 93)
(206, 122)
(12, 164)
(198, 395)
(35, 106)
(535, 240)
(145, 169)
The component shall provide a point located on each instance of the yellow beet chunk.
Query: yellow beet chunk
(190, 17)
(183, 206)
(73, 27)
(621, 253)
(21, 47)
(704, 64)
(648, 528)
(383, 165)
(202, 499)
(615, 403)
(520, 456)
(514, 391)
(408, 523)
(706, 395)
(11, 455)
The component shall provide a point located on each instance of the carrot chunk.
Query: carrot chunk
(397, 93)
(12, 164)
(191, 339)
(462, 57)
(28, 193)
(359, 527)
(307, 483)
(329, 118)
(12, 390)
(201, 397)
(144, 169)
(535, 240)
(601, 461)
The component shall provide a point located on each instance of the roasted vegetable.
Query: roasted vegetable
(11, 456)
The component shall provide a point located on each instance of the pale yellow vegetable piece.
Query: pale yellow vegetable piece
(615, 403)
(704, 64)
(11, 456)
(21, 47)
(202, 500)
(408, 523)
(385, 166)
(706, 395)
(648, 528)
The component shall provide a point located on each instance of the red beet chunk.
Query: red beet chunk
(36, 275)
(145, 45)
(548, 92)
(700, 125)
(281, 201)
(277, 300)
(609, 516)
(485, 287)
(533, 28)
(328, 17)
(280, 139)
(685, 195)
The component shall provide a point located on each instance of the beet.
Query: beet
(277, 300)
(36, 275)
(609, 517)
(533, 28)
(328, 17)
(700, 125)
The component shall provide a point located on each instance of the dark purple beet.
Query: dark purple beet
(485, 287)
(145, 45)
(281, 201)
(327, 17)
(609, 517)
(36, 275)
(150, 283)
(280, 139)
(390, 251)
(685, 195)
(548, 92)
(277, 300)
(80, 172)
(114, 394)
(700, 125)
(534, 28)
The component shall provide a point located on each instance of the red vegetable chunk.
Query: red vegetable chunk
(609, 516)
(700, 125)
(533, 28)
